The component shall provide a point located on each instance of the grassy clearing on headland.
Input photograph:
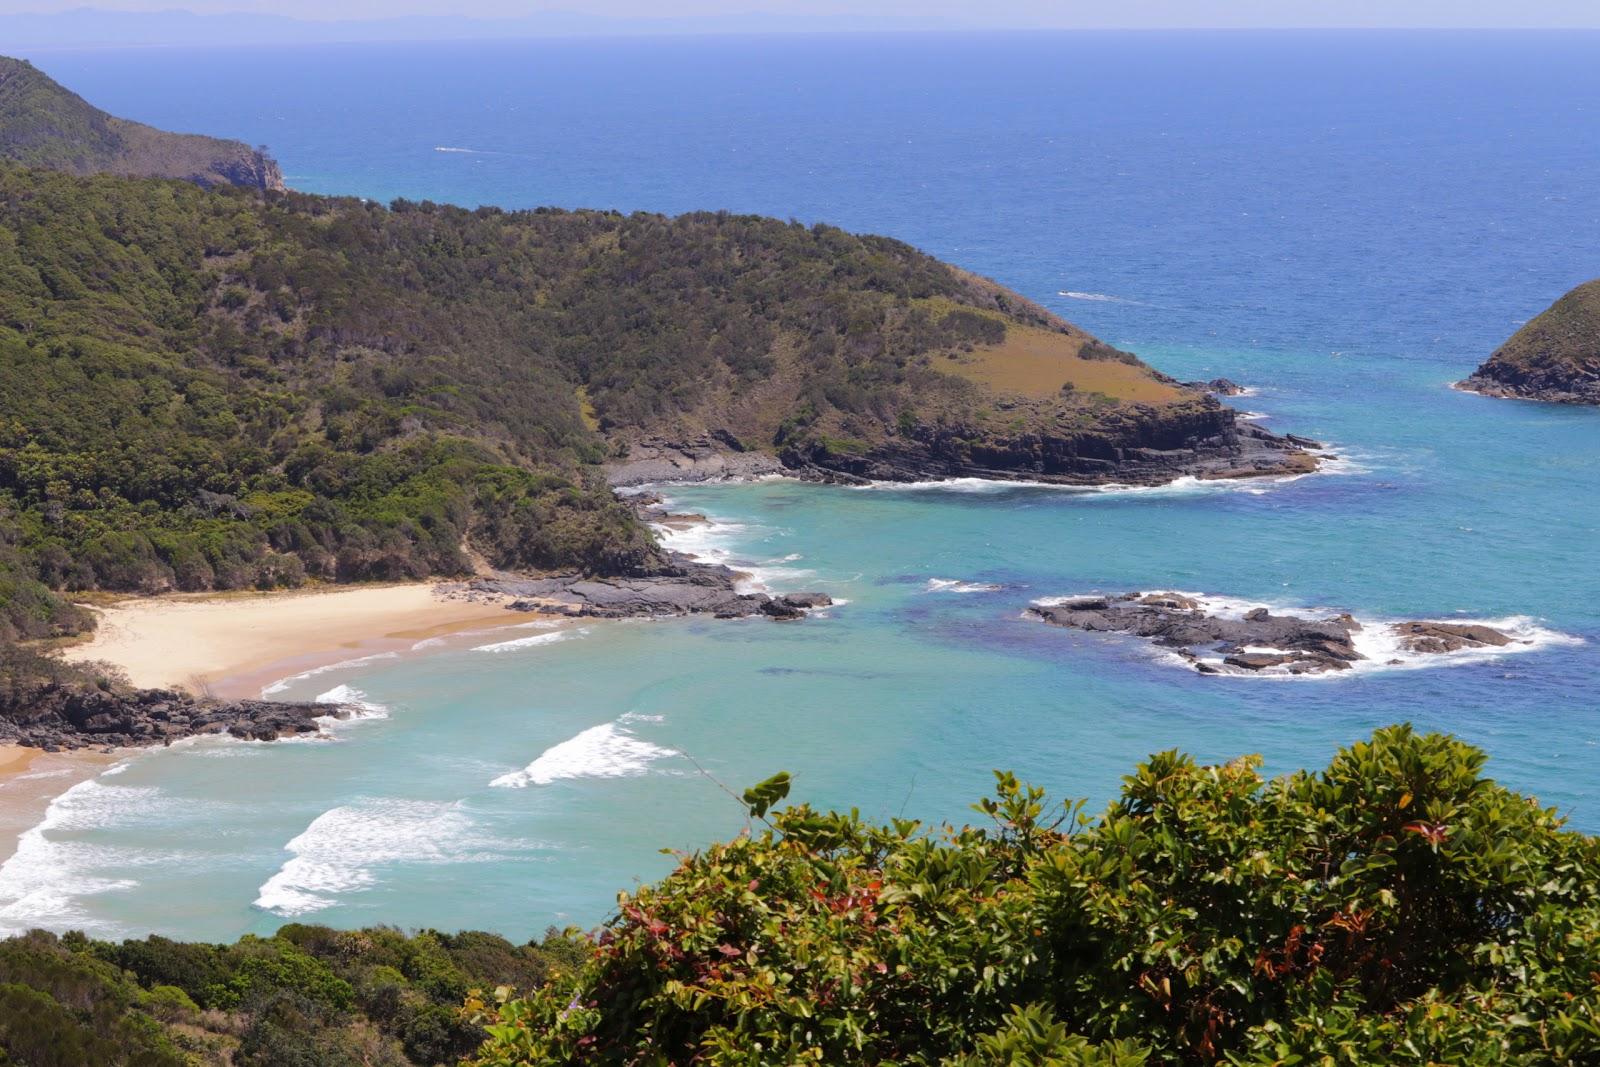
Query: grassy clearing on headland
(1039, 364)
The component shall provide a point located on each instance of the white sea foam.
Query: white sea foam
(516, 644)
(355, 699)
(343, 850)
(706, 542)
(1098, 298)
(51, 871)
(609, 750)
(284, 683)
(711, 541)
(1377, 639)
(59, 772)
(951, 585)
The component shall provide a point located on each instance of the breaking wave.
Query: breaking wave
(355, 699)
(519, 643)
(344, 849)
(284, 683)
(609, 750)
(53, 868)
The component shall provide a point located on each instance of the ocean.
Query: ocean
(1345, 223)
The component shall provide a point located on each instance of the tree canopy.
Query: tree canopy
(1397, 907)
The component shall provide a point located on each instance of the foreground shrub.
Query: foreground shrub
(1396, 907)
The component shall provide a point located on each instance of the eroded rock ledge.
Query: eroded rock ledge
(1136, 446)
(690, 589)
(69, 718)
(1257, 640)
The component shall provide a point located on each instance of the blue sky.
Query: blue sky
(1010, 13)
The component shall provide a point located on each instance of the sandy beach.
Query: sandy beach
(233, 645)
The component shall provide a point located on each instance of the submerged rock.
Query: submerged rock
(1256, 640)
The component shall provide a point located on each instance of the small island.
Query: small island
(1555, 357)
(1215, 640)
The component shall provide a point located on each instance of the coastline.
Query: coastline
(233, 645)
(30, 778)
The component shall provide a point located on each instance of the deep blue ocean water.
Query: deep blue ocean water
(1345, 222)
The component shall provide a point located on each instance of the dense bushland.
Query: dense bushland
(1398, 907)
(223, 389)
(306, 997)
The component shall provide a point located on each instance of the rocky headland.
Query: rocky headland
(1255, 641)
(44, 124)
(1141, 445)
(1554, 357)
(74, 717)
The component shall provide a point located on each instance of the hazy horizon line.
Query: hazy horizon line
(76, 27)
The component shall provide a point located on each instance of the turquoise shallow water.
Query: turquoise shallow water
(1253, 206)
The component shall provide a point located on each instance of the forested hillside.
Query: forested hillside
(306, 997)
(212, 389)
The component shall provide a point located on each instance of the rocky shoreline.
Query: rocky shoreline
(1510, 383)
(1554, 357)
(1142, 446)
(1256, 641)
(65, 718)
(690, 589)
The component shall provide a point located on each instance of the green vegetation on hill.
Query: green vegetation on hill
(43, 124)
(306, 997)
(219, 389)
(1396, 908)
(1555, 356)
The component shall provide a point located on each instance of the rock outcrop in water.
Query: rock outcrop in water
(1555, 357)
(72, 717)
(1257, 640)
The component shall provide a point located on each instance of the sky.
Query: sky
(999, 13)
